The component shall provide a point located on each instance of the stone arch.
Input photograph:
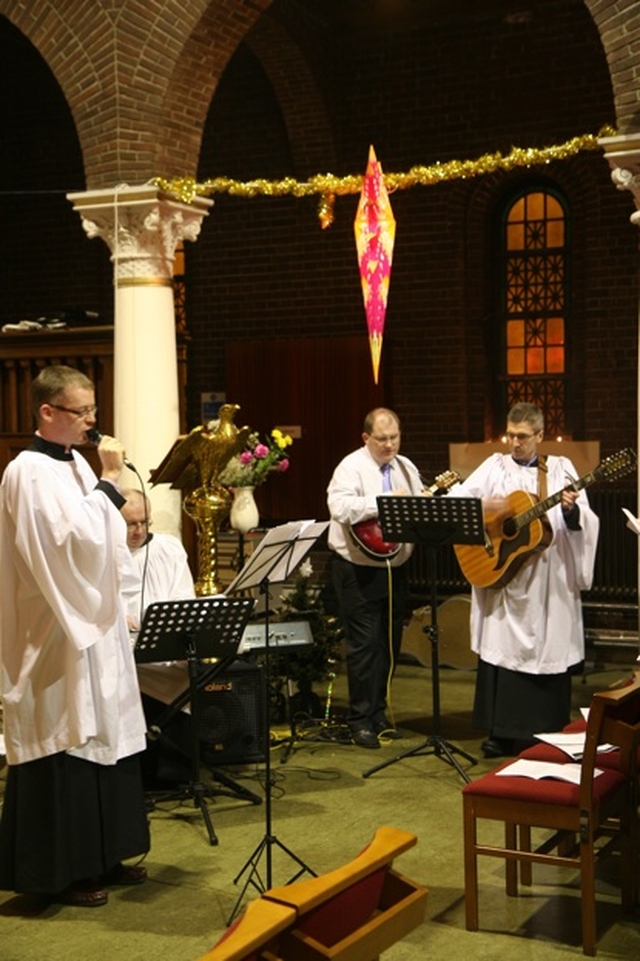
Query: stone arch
(138, 89)
(304, 110)
(619, 26)
(194, 77)
(139, 86)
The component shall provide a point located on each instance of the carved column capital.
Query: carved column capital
(142, 227)
(623, 156)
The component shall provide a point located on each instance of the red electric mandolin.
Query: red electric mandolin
(368, 536)
(513, 538)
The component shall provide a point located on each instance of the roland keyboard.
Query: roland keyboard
(283, 636)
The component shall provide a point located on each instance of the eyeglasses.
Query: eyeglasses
(386, 438)
(520, 437)
(78, 411)
(131, 525)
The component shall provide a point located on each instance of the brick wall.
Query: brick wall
(263, 268)
(313, 85)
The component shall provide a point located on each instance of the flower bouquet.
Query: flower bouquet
(251, 467)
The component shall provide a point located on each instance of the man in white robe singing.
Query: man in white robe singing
(528, 633)
(73, 722)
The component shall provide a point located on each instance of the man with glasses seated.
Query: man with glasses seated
(367, 586)
(528, 634)
(163, 566)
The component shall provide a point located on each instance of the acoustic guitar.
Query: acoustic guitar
(522, 531)
(368, 536)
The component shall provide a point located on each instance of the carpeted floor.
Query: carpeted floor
(323, 811)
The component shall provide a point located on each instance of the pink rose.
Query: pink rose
(260, 451)
(245, 457)
(283, 465)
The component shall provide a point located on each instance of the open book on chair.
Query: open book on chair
(522, 767)
(571, 742)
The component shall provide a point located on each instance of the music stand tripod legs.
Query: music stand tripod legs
(269, 841)
(199, 627)
(436, 743)
(196, 788)
(273, 561)
(433, 521)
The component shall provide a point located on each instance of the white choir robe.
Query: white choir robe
(69, 678)
(534, 624)
(163, 565)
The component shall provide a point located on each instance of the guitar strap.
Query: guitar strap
(542, 476)
(405, 471)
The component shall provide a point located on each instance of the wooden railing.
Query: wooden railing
(23, 354)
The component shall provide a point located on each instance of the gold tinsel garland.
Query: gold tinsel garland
(328, 186)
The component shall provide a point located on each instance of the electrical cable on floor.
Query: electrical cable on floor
(390, 641)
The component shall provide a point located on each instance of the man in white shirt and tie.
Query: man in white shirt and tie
(369, 577)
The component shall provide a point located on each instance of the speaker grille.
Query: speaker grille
(231, 716)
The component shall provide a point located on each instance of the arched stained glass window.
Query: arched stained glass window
(534, 310)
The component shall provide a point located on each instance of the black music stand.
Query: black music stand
(203, 627)
(432, 521)
(272, 562)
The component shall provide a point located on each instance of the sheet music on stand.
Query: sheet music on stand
(213, 625)
(278, 554)
(437, 520)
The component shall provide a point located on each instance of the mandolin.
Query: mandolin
(523, 531)
(368, 536)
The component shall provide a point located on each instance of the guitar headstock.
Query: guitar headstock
(617, 464)
(445, 481)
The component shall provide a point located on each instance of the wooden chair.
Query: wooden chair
(614, 759)
(599, 807)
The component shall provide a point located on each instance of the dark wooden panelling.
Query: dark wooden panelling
(289, 383)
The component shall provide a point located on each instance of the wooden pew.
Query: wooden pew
(255, 935)
(350, 914)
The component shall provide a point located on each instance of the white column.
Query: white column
(623, 155)
(142, 226)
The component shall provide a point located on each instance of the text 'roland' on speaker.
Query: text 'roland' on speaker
(231, 712)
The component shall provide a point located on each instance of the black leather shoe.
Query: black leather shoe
(385, 729)
(496, 747)
(365, 737)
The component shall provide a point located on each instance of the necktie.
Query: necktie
(386, 477)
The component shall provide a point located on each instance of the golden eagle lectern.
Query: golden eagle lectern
(193, 466)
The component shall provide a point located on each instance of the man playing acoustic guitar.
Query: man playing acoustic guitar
(526, 628)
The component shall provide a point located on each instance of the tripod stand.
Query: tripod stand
(273, 561)
(434, 521)
(206, 627)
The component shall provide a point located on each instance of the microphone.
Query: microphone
(95, 436)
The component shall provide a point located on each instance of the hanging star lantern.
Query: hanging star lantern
(375, 231)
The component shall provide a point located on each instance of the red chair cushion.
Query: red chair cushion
(547, 752)
(344, 913)
(542, 790)
(574, 726)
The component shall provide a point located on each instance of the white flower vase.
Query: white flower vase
(244, 514)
